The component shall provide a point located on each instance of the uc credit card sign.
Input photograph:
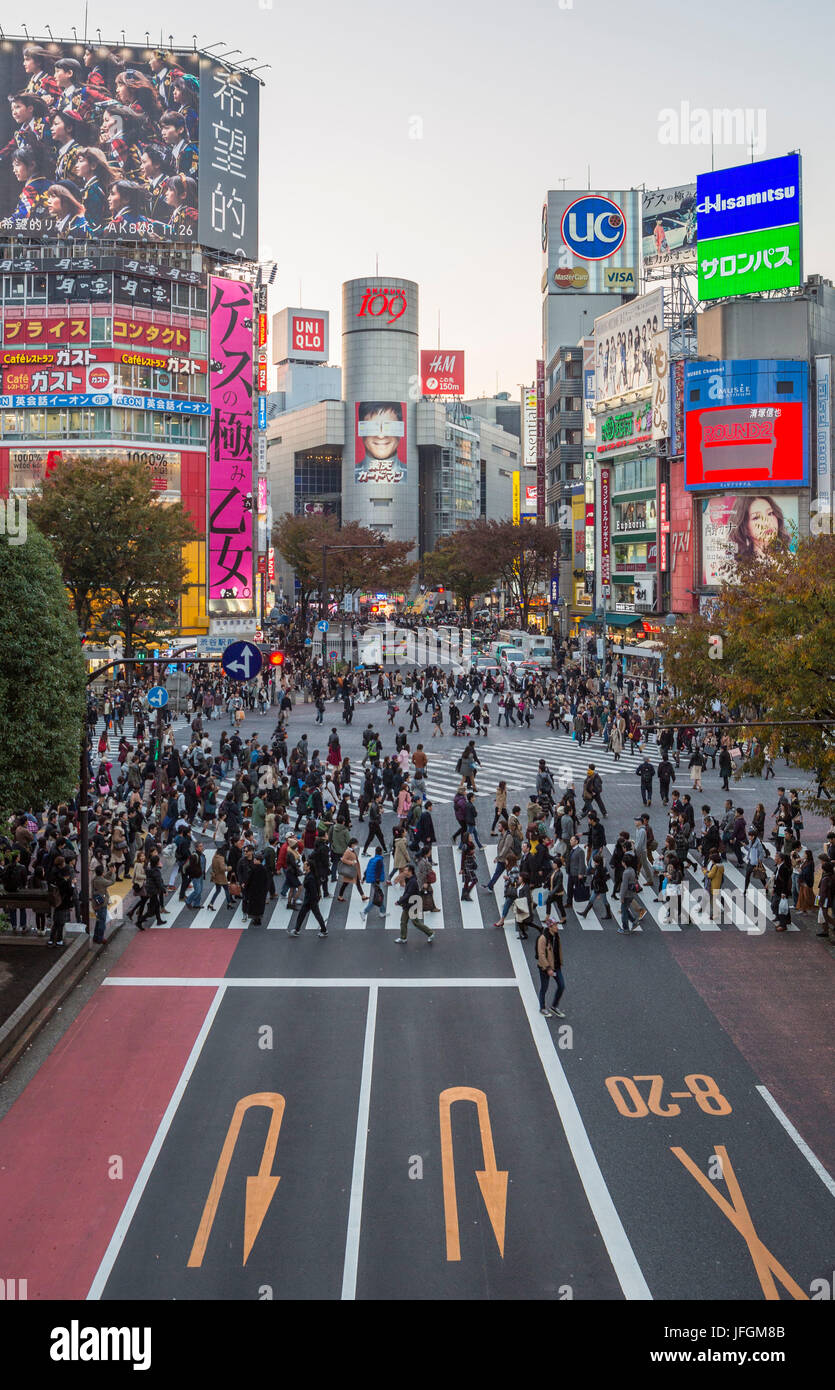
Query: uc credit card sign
(745, 424)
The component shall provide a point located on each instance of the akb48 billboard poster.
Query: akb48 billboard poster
(105, 143)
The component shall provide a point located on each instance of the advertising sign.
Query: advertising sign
(745, 424)
(228, 200)
(529, 426)
(540, 439)
(517, 508)
(605, 525)
(623, 346)
(442, 373)
(29, 466)
(301, 335)
(740, 524)
(624, 429)
(46, 331)
(668, 225)
(749, 228)
(823, 414)
(117, 102)
(590, 234)
(531, 492)
(37, 380)
(377, 305)
(661, 384)
(380, 442)
(230, 539)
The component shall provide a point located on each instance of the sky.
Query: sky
(427, 134)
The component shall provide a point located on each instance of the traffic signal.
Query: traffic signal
(141, 656)
(276, 658)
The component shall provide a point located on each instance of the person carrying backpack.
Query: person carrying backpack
(548, 955)
(375, 877)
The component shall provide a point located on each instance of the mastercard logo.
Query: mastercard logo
(574, 277)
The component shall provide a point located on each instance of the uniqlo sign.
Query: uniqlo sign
(442, 373)
(308, 335)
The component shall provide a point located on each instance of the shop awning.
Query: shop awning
(622, 619)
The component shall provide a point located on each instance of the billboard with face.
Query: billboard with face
(104, 143)
(380, 439)
(739, 524)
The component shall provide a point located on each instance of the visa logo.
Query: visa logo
(622, 279)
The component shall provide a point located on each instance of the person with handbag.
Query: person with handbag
(426, 877)
(469, 868)
(310, 902)
(556, 889)
(139, 882)
(511, 886)
(805, 901)
(781, 892)
(599, 880)
(523, 907)
(628, 894)
(576, 872)
(349, 871)
(411, 905)
(549, 963)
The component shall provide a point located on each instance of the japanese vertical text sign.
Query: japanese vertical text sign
(228, 192)
(230, 446)
(540, 440)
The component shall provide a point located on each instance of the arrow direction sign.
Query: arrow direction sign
(491, 1180)
(157, 697)
(241, 661)
(323, 625)
(260, 1189)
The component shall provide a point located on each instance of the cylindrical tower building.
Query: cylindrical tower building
(381, 388)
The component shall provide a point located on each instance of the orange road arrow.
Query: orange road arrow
(260, 1189)
(491, 1180)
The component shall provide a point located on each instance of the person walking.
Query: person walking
(426, 877)
(375, 877)
(696, 766)
(646, 772)
(139, 880)
(258, 886)
(500, 807)
(599, 880)
(219, 879)
(576, 868)
(196, 875)
(754, 860)
(375, 825)
(666, 775)
(310, 903)
(156, 893)
(549, 963)
(469, 868)
(411, 910)
(349, 871)
(725, 765)
(781, 895)
(628, 894)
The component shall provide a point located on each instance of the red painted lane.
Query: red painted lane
(178, 955)
(771, 995)
(102, 1092)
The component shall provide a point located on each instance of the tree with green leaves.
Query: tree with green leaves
(41, 679)
(461, 563)
(120, 550)
(766, 652)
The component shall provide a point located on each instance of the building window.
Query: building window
(101, 330)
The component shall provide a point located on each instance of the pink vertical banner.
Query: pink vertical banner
(231, 551)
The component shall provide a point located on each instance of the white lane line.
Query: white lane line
(815, 1163)
(621, 1254)
(315, 982)
(352, 1242)
(355, 920)
(122, 1226)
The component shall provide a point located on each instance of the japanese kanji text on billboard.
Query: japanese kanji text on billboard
(231, 551)
(229, 165)
(749, 228)
(380, 441)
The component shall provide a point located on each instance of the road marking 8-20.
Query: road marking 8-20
(632, 1105)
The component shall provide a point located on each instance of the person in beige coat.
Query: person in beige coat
(219, 878)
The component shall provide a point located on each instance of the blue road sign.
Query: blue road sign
(241, 661)
(157, 696)
(323, 625)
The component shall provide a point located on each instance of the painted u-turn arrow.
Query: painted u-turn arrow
(491, 1180)
(260, 1189)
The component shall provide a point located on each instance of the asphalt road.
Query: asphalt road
(249, 1116)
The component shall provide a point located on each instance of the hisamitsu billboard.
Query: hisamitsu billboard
(748, 198)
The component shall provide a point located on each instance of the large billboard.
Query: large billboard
(29, 465)
(623, 346)
(442, 372)
(740, 524)
(380, 442)
(749, 228)
(230, 530)
(668, 225)
(591, 241)
(745, 424)
(127, 144)
(529, 426)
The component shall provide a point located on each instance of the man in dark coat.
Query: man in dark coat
(257, 888)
